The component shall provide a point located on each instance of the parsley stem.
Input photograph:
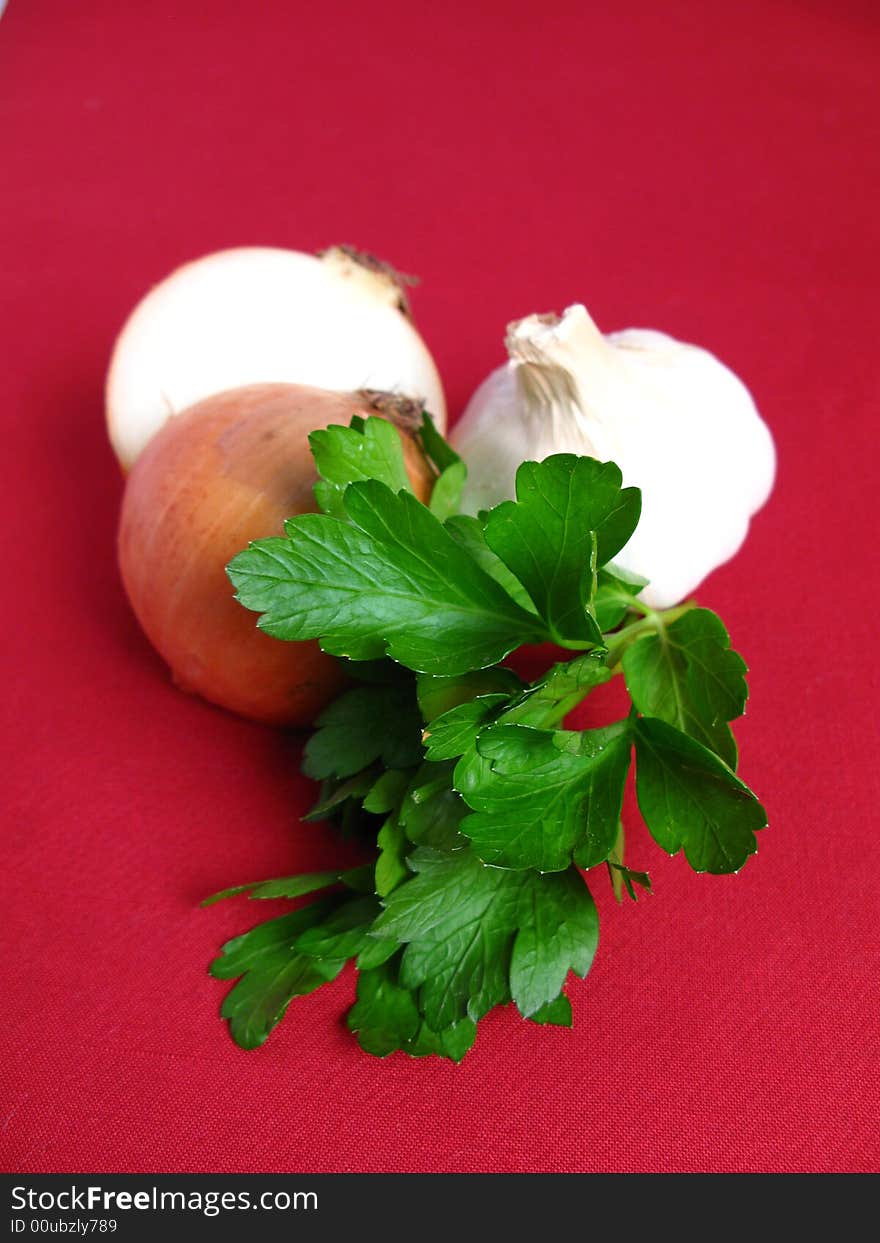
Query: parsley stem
(557, 714)
(651, 621)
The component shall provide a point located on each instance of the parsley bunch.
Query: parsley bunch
(486, 811)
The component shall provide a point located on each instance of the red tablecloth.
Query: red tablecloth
(709, 169)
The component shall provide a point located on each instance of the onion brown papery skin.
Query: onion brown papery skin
(227, 471)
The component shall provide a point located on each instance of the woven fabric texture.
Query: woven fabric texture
(708, 169)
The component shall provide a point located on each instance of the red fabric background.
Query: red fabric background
(709, 169)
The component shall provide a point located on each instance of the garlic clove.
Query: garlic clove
(679, 424)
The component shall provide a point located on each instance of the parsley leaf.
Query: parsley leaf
(385, 1016)
(360, 879)
(458, 919)
(272, 972)
(570, 516)
(386, 1019)
(258, 1002)
(432, 809)
(451, 470)
(688, 676)
(477, 936)
(542, 797)
(615, 592)
(385, 794)
(437, 695)
(376, 952)
(691, 799)
(393, 582)
(452, 1042)
(549, 700)
(337, 796)
(344, 933)
(543, 704)
(483, 807)
(393, 846)
(371, 449)
(558, 933)
(469, 533)
(457, 730)
(623, 877)
(282, 887)
(556, 1013)
(377, 721)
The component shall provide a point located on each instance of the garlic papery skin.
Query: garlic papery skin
(679, 424)
(263, 315)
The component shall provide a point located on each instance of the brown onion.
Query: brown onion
(224, 472)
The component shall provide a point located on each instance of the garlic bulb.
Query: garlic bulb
(260, 315)
(678, 423)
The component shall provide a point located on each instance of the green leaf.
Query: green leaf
(386, 793)
(385, 1016)
(688, 676)
(615, 592)
(556, 1013)
(474, 934)
(394, 583)
(446, 494)
(553, 696)
(453, 1042)
(391, 866)
(690, 798)
(451, 470)
(623, 877)
(360, 879)
(274, 938)
(456, 731)
(272, 972)
(619, 521)
(438, 451)
(371, 449)
(432, 810)
(458, 918)
(544, 797)
(545, 539)
(335, 793)
(283, 887)
(376, 952)
(378, 721)
(387, 1019)
(599, 503)
(342, 934)
(437, 695)
(468, 532)
(260, 999)
(488, 807)
(558, 933)
(569, 517)
(544, 704)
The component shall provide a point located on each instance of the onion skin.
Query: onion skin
(227, 471)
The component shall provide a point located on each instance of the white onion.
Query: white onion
(264, 315)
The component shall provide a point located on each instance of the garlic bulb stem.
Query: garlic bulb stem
(551, 355)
